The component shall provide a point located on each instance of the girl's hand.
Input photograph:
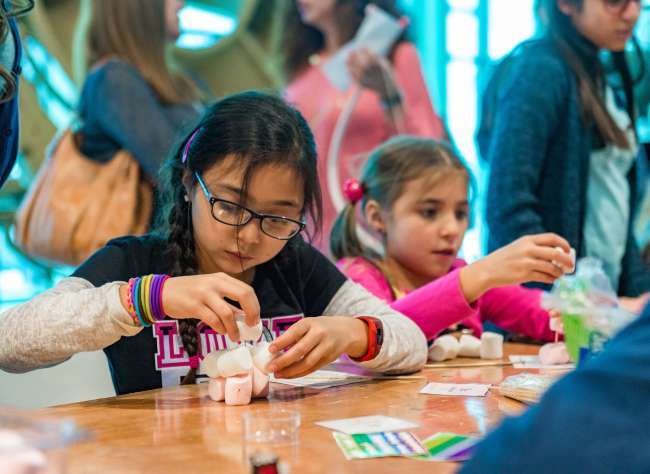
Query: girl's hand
(540, 258)
(372, 72)
(634, 305)
(312, 343)
(202, 297)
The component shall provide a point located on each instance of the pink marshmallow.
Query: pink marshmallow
(554, 354)
(217, 389)
(239, 389)
(260, 383)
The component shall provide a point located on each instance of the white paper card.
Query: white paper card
(323, 379)
(533, 362)
(367, 424)
(457, 389)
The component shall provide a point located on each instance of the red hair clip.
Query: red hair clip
(353, 190)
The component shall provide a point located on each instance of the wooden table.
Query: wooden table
(181, 430)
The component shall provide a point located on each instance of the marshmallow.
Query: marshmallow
(260, 383)
(555, 324)
(469, 346)
(444, 348)
(554, 353)
(491, 345)
(239, 389)
(209, 364)
(261, 355)
(249, 333)
(572, 254)
(217, 388)
(235, 362)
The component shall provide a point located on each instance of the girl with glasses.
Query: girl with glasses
(563, 146)
(237, 192)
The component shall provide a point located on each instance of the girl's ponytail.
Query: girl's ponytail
(344, 241)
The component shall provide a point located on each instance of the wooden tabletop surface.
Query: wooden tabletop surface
(181, 430)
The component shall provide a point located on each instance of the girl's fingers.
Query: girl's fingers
(547, 268)
(298, 352)
(553, 255)
(315, 360)
(552, 240)
(541, 277)
(241, 293)
(226, 314)
(211, 319)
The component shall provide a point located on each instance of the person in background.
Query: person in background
(562, 148)
(414, 194)
(132, 99)
(10, 54)
(394, 97)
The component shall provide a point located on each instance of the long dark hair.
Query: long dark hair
(259, 129)
(383, 177)
(16, 9)
(582, 57)
(302, 41)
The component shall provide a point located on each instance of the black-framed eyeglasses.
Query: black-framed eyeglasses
(231, 213)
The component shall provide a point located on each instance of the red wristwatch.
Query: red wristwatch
(375, 338)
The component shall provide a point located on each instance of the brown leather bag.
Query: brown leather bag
(75, 205)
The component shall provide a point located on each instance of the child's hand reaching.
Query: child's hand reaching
(540, 258)
(202, 297)
(312, 343)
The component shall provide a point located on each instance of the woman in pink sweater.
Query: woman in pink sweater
(414, 195)
(389, 95)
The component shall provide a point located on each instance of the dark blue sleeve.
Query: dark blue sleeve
(9, 116)
(529, 104)
(596, 419)
(128, 111)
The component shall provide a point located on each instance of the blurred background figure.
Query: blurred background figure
(394, 98)
(10, 56)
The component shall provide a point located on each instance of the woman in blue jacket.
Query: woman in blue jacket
(563, 147)
(9, 70)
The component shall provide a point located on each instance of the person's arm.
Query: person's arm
(419, 116)
(593, 420)
(517, 309)
(436, 305)
(130, 113)
(404, 348)
(72, 317)
(528, 109)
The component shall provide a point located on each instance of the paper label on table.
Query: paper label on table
(323, 379)
(457, 389)
(533, 362)
(448, 447)
(367, 424)
(378, 445)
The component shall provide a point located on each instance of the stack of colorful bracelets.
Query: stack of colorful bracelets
(145, 299)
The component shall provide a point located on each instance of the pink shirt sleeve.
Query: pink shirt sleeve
(363, 272)
(436, 305)
(518, 309)
(420, 117)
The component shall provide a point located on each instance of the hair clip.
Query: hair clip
(188, 144)
(353, 190)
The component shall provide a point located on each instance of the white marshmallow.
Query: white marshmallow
(444, 348)
(572, 254)
(235, 362)
(239, 389)
(261, 355)
(260, 383)
(217, 388)
(554, 353)
(491, 345)
(209, 364)
(470, 346)
(249, 333)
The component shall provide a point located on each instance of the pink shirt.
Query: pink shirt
(321, 103)
(441, 303)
